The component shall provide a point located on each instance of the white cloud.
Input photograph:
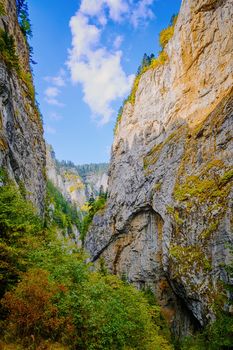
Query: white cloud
(141, 12)
(97, 8)
(91, 63)
(55, 116)
(54, 102)
(52, 92)
(118, 41)
(50, 130)
(58, 80)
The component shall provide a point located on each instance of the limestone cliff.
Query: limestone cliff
(65, 179)
(22, 148)
(168, 218)
(76, 183)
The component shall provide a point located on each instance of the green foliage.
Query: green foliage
(216, 336)
(2, 9)
(8, 51)
(167, 33)
(18, 222)
(119, 116)
(32, 311)
(23, 18)
(227, 177)
(189, 258)
(27, 79)
(25, 24)
(84, 169)
(208, 185)
(94, 206)
(59, 211)
(56, 298)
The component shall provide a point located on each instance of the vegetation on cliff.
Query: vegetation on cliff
(9, 54)
(59, 211)
(149, 62)
(93, 206)
(50, 296)
(8, 51)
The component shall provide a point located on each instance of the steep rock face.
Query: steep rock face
(66, 180)
(76, 188)
(22, 148)
(169, 213)
(95, 181)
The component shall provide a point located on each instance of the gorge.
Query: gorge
(166, 224)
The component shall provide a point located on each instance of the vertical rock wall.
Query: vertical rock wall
(169, 219)
(22, 147)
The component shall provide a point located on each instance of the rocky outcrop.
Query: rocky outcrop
(22, 148)
(168, 218)
(95, 180)
(76, 188)
(67, 180)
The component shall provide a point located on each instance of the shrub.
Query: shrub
(8, 51)
(111, 315)
(32, 311)
(167, 33)
(52, 294)
(94, 206)
(27, 79)
(63, 214)
(2, 9)
(18, 222)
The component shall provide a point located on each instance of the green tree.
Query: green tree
(18, 223)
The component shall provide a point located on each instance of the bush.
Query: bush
(63, 214)
(27, 79)
(216, 336)
(51, 294)
(2, 9)
(8, 51)
(167, 33)
(60, 299)
(18, 224)
(94, 206)
(32, 311)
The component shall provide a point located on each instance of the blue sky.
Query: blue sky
(87, 53)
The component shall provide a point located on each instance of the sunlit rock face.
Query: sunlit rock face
(66, 180)
(22, 147)
(168, 219)
(75, 188)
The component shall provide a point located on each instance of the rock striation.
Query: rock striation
(22, 147)
(168, 218)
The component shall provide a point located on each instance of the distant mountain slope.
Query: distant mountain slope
(76, 182)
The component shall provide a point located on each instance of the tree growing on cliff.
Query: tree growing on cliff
(23, 18)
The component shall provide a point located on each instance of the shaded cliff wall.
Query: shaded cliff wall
(168, 218)
(22, 148)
